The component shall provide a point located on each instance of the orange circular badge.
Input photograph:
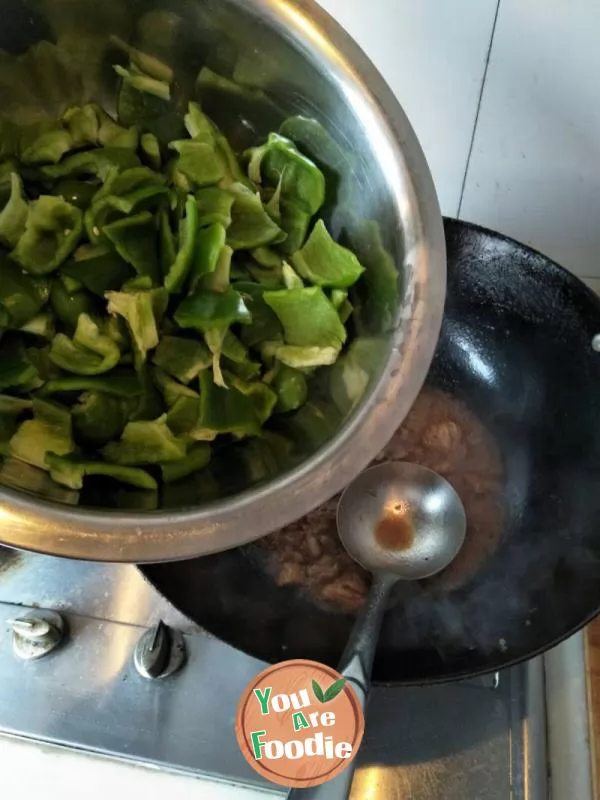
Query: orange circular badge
(299, 724)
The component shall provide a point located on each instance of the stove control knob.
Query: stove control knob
(160, 652)
(37, 633)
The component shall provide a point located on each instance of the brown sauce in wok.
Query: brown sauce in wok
(439, 433)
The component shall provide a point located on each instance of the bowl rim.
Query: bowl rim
(32, 523)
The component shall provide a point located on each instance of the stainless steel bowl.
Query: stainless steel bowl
(291, 58)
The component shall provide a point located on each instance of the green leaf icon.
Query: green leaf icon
(318, 692)
(334, 690)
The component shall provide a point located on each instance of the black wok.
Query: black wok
(516, 348)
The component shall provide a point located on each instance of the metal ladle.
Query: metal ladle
(402, 522)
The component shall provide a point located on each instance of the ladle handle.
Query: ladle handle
(356, 666)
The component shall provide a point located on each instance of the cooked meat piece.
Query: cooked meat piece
(347, 592)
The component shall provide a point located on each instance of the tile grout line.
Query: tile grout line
(479, 102)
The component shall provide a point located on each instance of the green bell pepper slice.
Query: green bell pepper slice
(145, 62)
(52, 230)
(181, 358)
(206, 310)
(48, 147)
(135, 239)
(90, 352)
(41, 325)
(299, 357)
(71, 471)
(111, 134)
(78, 193)
(98, 418)
(251, 226)
(324, 262)
(210, 242)
(226, 410)
(188, 227)
(214, 206)
(139, 310)
(200, 161)
(18, 293)
(120, 382)
(148, 442)
(138, 80)
(197, 458)
(265, 324)
(99, 268)
(167, 249)
(280, 163)
(98, 163)
(262, 396)
(308, 317)
(150, 404)
(68, 307)
(291, 388)
(183, 414)
(16, 369)
(11, 408)
(13, 216)
(50, 430)
(150, 148)
(170, 389)
(82, 125)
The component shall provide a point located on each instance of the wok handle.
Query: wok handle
(356, 666)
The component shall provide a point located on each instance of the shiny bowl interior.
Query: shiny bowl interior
(286, 58)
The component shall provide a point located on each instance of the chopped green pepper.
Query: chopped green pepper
(52, 230)
(13, 216)
(200, 161)
(184, 359)
(68, 307)
(280, 163)
(251, 226)
(90, 352)
(99, 268)
(98, 417)
(150, 442)
(196, 459)
(48, 431)
(171, 389)
(210, 242)
(226, 410)
(147, 63)
(214, 206)
(205, 310)
(135, 239)
(16, 370)
(144, 83)
(18, 293)
(291, 388)
(324, 262)
(177, 274)
(308, 317)
(151, 150)
(70, 471)
(77, 193)
(47, 148)
(119, 382)
(300, 357)
(138, 310)
(94, 163)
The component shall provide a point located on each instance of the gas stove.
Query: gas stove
(520, 734)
